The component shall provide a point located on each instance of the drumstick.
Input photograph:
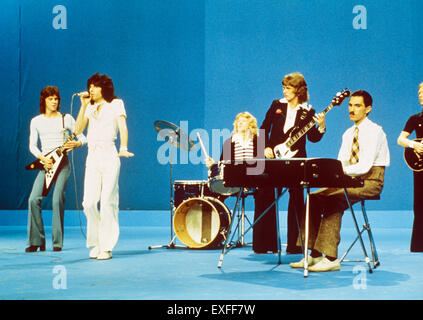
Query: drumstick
(202, 145)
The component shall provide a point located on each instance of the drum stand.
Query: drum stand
(240, 227)
(171, 244)
(178, 138)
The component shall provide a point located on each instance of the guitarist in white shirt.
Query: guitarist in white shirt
(50, 128)
(283, 117)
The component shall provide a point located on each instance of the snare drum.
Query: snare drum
(202, 223)
(185, 189)
(216, 180)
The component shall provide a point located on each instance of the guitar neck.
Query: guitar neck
(70, 138)
(297, 136)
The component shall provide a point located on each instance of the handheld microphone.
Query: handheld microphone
(83, 94)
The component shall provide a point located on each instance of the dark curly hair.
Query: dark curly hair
(105, 83)
(48, 92)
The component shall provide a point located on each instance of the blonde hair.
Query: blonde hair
(252, 122)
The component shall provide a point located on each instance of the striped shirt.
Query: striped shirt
(242, 149)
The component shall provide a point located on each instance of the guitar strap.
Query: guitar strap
(63, 126)
(64, 132)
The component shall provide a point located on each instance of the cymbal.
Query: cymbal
(174, 135)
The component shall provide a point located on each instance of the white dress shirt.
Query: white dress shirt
(291, 114)
(373, 144)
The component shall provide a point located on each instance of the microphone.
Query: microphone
(83, 94)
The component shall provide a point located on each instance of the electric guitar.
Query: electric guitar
(284, 151)
(56, 155)
(413, 159)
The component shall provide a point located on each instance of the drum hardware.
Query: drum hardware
(240, 227)
(202, 223)
(216, 182)
(198, 216)
(186, 189)
(215, 175)
(178, 138)
(196, 205)
(217, 185)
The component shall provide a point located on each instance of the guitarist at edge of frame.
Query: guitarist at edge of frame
(414, 148)
(50, 128)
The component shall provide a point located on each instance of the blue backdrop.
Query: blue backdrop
(197, 64)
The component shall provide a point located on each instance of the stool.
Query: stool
(366, 226)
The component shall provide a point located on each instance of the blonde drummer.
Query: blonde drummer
(242, 145)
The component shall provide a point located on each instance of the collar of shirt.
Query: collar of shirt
(303, 105)
(363, 124)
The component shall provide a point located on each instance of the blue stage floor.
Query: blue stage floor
(137, 273)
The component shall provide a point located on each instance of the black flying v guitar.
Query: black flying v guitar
(413, 159)
(284, 151)
(56, 155)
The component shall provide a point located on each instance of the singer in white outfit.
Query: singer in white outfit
(105, 115)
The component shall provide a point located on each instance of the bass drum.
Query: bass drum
(202, 223)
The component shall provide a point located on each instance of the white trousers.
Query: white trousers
(101, 186)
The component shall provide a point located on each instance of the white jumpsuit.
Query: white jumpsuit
(102, 175)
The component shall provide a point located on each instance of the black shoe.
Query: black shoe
(35, 248)
(295, 250)
(57, 249)
(266, 252)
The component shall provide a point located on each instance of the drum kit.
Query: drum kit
(199, 217)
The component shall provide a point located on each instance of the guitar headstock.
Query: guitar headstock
(340, 97)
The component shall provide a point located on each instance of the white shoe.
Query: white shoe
(310, 259)
(326, 265)
(94, 253)
(104, 255)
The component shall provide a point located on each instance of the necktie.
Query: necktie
(355, 148)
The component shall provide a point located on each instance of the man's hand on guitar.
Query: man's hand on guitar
(72, 145)
(47, 162)
(320, 120)
(268, 153)
(418, 147)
